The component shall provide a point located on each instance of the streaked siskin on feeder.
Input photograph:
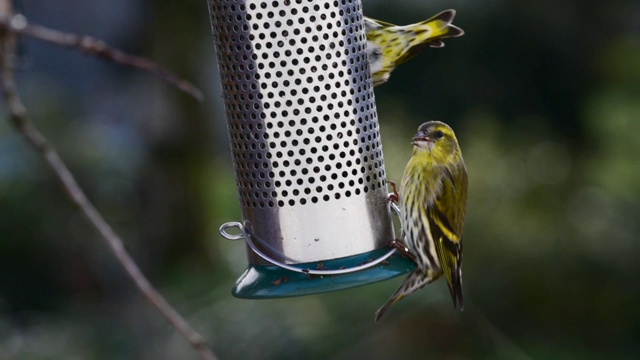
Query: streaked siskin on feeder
(433, 199)
(390, 45)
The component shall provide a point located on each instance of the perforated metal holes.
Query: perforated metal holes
(299, 102)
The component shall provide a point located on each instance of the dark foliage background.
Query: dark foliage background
(544, 97)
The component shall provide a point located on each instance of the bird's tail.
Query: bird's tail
(430, 33)
(455, 288)
(450, 256)
(414, 282)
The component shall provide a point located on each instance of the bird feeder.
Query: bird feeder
(306, 147)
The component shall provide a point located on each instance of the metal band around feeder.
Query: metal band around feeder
(247, 235)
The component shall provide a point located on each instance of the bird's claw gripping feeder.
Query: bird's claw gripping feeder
(306, 146)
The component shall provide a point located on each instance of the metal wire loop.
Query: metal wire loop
(232, 237)
(395, 208)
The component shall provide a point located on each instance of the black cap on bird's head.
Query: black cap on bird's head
(431, 131)
(435, 132)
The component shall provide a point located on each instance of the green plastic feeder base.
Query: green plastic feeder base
(270, 281)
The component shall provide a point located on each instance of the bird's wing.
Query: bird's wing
(427, 33)
(446, 218)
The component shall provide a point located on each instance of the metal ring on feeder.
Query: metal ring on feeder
(305, 142)
(246, 235)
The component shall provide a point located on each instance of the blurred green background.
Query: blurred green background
(544, 97)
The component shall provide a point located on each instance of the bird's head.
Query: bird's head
(438, 140)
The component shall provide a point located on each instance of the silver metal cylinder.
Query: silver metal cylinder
(303, 127)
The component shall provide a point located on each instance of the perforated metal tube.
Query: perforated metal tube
(303, 127)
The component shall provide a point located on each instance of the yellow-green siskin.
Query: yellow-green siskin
(390, 45)
(433, 200)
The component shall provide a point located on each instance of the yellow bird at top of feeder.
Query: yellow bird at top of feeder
(390, 45)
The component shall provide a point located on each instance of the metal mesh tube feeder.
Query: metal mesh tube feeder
(306, 146)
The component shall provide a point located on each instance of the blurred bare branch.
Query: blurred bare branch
(9, 26)
(92, 46)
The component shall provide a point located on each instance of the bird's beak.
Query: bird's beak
(420, 136)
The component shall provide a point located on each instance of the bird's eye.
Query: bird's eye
(438, 134)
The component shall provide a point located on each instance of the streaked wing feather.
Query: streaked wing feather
(446, 217)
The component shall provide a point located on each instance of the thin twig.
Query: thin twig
(99, 48)
(21, 121)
